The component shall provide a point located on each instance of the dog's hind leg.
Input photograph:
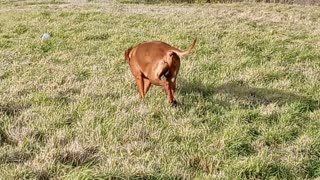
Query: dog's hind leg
(166, 85)
(155, 78)
(172, 84)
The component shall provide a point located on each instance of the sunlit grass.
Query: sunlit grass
(248, 93)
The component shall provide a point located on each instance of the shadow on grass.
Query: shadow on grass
(81, 157)
(15, 157)
(249, 96)
(12, 109)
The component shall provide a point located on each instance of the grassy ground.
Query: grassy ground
(249, 92)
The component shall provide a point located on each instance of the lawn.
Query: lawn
(249, 98)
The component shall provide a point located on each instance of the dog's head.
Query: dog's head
(126, 54)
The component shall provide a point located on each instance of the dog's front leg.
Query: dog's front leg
(139, 81)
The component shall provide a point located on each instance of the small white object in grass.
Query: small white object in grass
(45, 35)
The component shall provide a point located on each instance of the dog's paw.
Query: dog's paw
(174, 103)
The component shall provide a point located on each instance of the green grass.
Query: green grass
(249, 92)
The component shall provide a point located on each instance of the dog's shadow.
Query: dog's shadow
(245, 95)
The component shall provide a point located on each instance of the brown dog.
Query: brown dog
(149, 61)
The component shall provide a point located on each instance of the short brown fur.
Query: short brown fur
(149, 61)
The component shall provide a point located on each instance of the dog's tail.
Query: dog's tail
(180, 53)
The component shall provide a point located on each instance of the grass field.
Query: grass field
(249, 92)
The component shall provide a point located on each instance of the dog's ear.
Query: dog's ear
(126, 54)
